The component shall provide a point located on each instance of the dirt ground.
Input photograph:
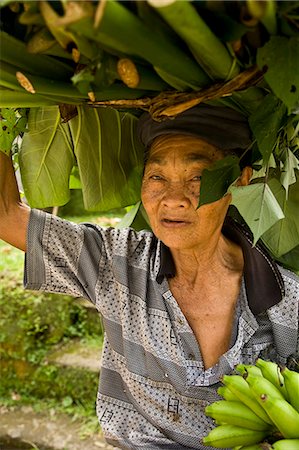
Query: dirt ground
(45, 430)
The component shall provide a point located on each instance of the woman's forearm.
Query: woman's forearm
(9, 192)
(14, 214)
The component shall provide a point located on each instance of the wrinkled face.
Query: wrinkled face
(170, 191)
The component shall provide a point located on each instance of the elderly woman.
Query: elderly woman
(183, 304)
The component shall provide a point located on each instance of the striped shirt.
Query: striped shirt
(153, 386)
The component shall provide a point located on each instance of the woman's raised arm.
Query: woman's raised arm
(14, 215)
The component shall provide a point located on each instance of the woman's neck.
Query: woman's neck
(216, 256)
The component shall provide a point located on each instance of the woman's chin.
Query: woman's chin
(176, 238)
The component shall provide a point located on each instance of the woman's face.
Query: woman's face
(170, 191)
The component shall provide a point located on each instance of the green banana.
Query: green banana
(283, 415)
(271, 371)
(241, 389)
(286, 444)
(245, 369)
(226, 436)
(235, 413)
(291, 379)
(261, 386)
(227, 394)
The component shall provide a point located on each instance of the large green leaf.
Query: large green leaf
(109, 157)
(216, 180)
(283, 236)
(265, 124)
(46, 158)
(258, 207)
(281, 57)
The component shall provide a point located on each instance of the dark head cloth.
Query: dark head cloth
(221, 126)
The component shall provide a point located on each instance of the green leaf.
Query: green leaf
(258, 207)
(283, 236)
(262, 169)
(281, 57)
(46, 158)
(12, 123)
(288, 175)
(141, 220)
(216, 180)
(136, 218)
(129, 217)
(290, 260)
(75, 182)
(265, 124)
(109, 157)
(83, 79)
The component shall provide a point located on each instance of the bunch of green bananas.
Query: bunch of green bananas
(260, 410)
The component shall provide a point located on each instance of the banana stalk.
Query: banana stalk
(39, 85)
(31, 18)
(138, 76)
(121, 30)
(206, 48)
(65, 38)
(13, 99)
(8, 76)
(111, 93)
(13, 50)
(265, 12)
(41, 41)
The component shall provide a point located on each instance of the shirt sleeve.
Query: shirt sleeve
(62, 256)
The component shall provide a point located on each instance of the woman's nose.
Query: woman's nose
(176, 197)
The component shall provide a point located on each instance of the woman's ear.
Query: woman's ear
(245, 177)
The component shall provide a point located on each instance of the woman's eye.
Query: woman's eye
(196, 178)
(156, 177)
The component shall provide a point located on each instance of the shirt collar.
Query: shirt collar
(263, 281)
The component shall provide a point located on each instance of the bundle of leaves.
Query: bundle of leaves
(75, 76)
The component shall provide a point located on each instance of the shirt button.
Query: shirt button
(191, 356)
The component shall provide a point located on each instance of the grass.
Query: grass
(11, 261)
(11, 277)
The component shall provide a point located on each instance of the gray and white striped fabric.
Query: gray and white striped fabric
(153, 386)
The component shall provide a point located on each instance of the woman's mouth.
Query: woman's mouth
(174, 223)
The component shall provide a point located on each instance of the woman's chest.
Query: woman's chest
(210, 315)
